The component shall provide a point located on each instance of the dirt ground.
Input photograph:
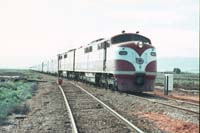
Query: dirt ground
(178, 95)
(49, 115)
(47, 112)
(149, 116)
(169, 124)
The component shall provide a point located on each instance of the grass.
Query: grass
(14, 93)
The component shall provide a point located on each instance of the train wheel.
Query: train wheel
(97, 79)
(115, 86)
(106, 85)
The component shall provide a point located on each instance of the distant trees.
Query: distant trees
(177, 70)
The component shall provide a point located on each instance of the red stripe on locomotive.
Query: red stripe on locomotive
(151, 67)
(122, 65)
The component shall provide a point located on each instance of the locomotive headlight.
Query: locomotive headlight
(140, 44)
(153, 53)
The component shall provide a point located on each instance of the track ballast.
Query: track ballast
(92, 115)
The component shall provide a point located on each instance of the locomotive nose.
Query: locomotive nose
(140, 78)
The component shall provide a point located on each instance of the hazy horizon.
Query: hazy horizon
(32, 31)
(167, 64)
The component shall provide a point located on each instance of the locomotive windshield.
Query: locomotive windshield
(129, 37)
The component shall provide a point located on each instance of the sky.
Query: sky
(35, 30)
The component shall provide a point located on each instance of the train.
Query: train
(124, 62)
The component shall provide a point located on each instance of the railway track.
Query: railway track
(173, 99)
(73, 124)
(170, 102)
(89, 114)
(179, 104)
(183, 101)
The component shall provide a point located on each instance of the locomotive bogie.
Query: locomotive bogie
(90, 77)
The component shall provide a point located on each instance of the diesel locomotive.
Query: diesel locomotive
(124, 62)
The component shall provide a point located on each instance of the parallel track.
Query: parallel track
(178, 100)
(183, 101)
(171, 105)
(114, 113)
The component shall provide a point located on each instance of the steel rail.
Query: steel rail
(167, 104)
(74, 128)
(174, 99)
(182, 101)
(111, 110)
(177, 107)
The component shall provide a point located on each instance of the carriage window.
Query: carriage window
(108, 45)
(60, 57)
(88, 49)
(65, 56)
(129, 37)
(103, 45)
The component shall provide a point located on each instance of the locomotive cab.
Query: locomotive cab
(127, 37)
(134, 60)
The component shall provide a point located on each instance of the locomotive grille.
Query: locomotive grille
(140, 79)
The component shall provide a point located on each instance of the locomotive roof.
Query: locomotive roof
(67, 51)
(136, 35)
(127, 34)
(100, 39)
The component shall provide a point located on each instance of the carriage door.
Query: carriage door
(105, 45)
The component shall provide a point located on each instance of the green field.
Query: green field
(14, 93)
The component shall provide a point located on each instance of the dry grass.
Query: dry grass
(13, 94)
(186, 81)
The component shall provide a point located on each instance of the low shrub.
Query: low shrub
(8, 85)
(12, 94)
